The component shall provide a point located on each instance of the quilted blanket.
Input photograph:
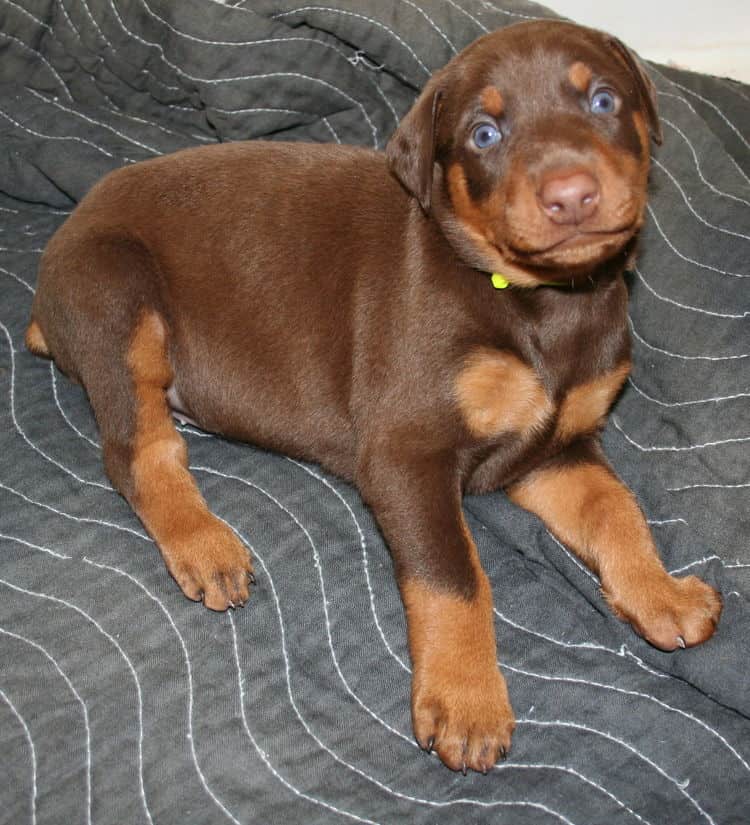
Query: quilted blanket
(122, 702)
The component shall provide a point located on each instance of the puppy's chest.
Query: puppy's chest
(500, 394)
(542, 391)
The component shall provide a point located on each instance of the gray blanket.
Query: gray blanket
(122, 702)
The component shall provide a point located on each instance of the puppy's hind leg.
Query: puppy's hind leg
(150, 468)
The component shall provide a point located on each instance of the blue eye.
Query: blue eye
(486, 135)
(602, 103)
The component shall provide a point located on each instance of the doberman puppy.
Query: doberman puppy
(446, 316)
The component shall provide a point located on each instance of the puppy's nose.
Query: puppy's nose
(569, 199)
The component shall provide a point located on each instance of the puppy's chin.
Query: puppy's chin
(575, 256)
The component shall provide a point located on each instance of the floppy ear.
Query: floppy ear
(646, 88)
(411, 149)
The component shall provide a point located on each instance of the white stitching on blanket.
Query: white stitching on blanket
(216, 81)
(681, 786)
(709, 487)
(111, 47)
(359, 771)
(79, 519)
(696, 563)
(370, 20)
(622, 653)
(691, 208)
(509, 13)
(56, 137)
(696, 161)
(95, 122)
(688, 259)
(21, 432)
(43, 59)
(318, 567)
(189, 668)
(17, 278)
(359, 105)
(715, 107)
(684, 357)
(671, 449)
(365, 562)
(111, 639)
(267, 41)
(715, 399)
(331, 129)
(29, 544)
(72, 426)
(27, 734)
(478, 23)
(713, 313)
(78, 698)
(690, 106)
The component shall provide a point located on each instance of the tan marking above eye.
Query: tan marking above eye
(497, 393)
(492, 101)
(580, 76)
(584, 407)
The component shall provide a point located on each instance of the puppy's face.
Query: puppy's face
(531, 148)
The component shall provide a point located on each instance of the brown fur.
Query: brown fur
(335, 304)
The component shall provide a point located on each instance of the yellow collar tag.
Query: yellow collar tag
(499, 282)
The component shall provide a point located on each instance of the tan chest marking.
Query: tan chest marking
(497, 393)
(584, 407)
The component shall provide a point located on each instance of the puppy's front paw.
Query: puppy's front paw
(465, 716)
(211, 564)
(670, 612)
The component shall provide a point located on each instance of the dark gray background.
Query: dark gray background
(121, 702)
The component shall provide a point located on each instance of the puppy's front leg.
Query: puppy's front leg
(588, 508)
(460, 703)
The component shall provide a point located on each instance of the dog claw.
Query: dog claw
(251, 578)
(681, 642)
(463, 768)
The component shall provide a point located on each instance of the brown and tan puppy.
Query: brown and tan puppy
(338, 304)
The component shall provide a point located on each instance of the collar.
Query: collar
(499, 281)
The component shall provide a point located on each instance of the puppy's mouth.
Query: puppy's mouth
(579, 248)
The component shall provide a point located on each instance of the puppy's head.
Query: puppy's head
(531, 149)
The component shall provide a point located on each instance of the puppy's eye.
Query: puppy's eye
(486, 135)
(602, 102)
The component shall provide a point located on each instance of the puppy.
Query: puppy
(446, 316)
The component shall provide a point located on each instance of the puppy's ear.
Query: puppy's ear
(411, 149)
(646, 88)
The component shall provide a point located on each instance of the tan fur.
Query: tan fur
(497, 393)
(580, 75)
(585, 407)
(200, 551)
(35, 340)
(492, 101)
(478, 223)
(459, 698)
(591, 511)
